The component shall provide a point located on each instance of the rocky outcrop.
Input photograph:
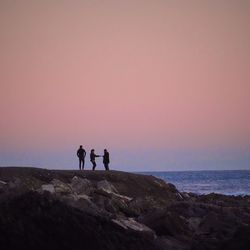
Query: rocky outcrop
(39, 221)
(114, 210)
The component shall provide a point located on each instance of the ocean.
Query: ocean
(229, 182)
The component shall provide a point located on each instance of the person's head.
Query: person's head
(80, 146)
(105, 150)
(92, 150)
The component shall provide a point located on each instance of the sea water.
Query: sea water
(229, 182)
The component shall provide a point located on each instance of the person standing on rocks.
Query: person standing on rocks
(81, 153)
(106, 159)
(92, 158)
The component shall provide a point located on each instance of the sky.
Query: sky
(163, 85)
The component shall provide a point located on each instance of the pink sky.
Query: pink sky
(132, 76)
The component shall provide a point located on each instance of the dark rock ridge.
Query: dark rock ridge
(60, 209)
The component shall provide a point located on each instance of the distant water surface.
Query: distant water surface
(230, 182)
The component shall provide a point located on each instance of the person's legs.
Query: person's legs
(94, 165)
(79, 163)
(107, 166)
(83, 162)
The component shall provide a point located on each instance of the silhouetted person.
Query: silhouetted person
(81, 153)
(92, 158)
(106, 159)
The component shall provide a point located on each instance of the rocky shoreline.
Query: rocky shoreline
(62, 209)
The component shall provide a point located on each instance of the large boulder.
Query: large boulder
(110, 202)
(47, 188)
(82, 202)
(81, 186)
(166, 223)
(106, 186)
(138, 206)
(61, 187)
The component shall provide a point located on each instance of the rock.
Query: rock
(130, 223)
(38, 221)
(240, 239)
(166, 223)
(138, 206)
(171, 187)
(194, 223)
(218, 225)
(81, 186)
(106, 186)
(61, 187)
(2, 183)
(160, 183)
(16, 183)
(186, 195)
(109, 202)
(48, 187)
(171, 243)
(179, 196)
(123, 197)
(81, 202)
(83, 196)
(224, 200)
(3, 186)
(116, 206)
(118, 196)
(76, 197)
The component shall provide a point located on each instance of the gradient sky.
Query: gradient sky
(164, 85)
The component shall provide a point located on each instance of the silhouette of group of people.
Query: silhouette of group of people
(81, 153)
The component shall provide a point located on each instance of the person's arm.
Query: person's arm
(84, 153)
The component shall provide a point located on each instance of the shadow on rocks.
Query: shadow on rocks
(37, 221)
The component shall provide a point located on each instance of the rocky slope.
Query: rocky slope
(59, 209)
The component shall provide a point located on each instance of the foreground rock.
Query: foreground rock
(35, 221)
(42, 209)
